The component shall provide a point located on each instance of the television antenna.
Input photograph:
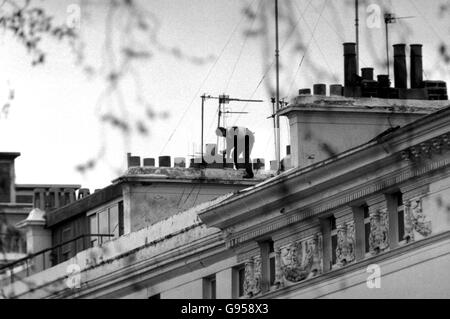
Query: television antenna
(388, 19)
(223, 99)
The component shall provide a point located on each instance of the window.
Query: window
(105, 222)
(366, 227)
(66, 235)
(238, 278)
(400, 216)
(333, 239)
(5, 182)
(241, 280)
(209, 287)
(121, 224)
(114, 221)
(103, 225)
(93, 226)
(267, 264)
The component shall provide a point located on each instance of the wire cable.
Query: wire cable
(307, 47)
(242, 47)
(204, 81)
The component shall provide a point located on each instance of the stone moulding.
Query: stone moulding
(299, 260)
(415, 220)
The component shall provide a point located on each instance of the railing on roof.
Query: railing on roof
(54, 252)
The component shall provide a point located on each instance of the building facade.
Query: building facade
(362, 210)
(16, 202)
(312, 231)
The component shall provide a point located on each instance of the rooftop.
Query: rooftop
(376, 105)
(178, 174)
(435, 118)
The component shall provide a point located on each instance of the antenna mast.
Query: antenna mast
(223, 99)
(390, 18)
(357, 34)
(277, 98)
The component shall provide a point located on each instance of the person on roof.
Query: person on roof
(240, 140)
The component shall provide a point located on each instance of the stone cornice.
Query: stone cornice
(370, 187)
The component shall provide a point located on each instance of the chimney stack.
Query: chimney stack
(349, 64)
(400, 66)
(320, 89)
(133, 160)
(416, 66)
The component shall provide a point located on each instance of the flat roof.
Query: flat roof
(372, 105)
(187, 175)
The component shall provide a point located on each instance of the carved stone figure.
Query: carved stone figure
(317, 258)
(300, 260)
(291, 263)
(416, 220)
(379, 231)
(345, 250)
(252, 282)
(279, 279)
(351, 242)
(409, 224)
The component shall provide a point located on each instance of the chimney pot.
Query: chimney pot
(383, 81)
(304, 92)
(164, 161)
(149, 162)
(134, 161)
(320, 89)
(336, 89)
(367, 74)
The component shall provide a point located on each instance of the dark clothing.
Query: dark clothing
(240, 140)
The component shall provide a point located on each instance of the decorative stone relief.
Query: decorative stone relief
(379, 231)
(279, 280)
(415, 220)
(252, 282)
(315, 248)
(299, 260)
(345, 250)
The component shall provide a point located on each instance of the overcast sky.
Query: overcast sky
(53, 121)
